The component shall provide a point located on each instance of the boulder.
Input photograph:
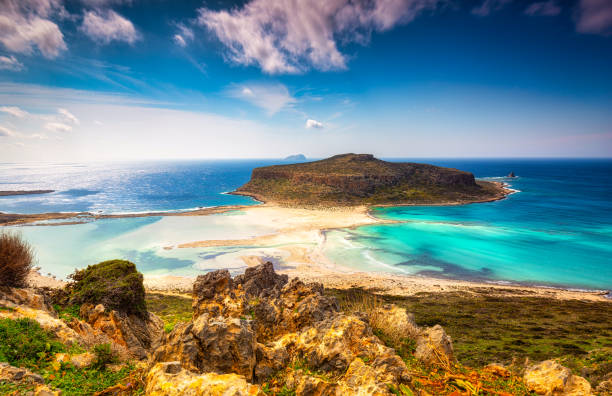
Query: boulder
(605, 387)
(137, 334)
(434, 346)
(13, 374)
(171, 379)
(82, 360)
(551, 378)
(44, 390)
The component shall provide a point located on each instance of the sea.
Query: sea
(554, 230)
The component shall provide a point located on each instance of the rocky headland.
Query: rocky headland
(361, 179)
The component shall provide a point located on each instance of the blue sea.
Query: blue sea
(555, 230)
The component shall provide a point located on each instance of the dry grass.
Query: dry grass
(16, 258)
(386, 323)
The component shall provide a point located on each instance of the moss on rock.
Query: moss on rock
(116, 284)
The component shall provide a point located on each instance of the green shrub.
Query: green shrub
(104, 356)
(116, 284)
(16, 257)
(23, 343)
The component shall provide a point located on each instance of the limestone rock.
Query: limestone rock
(551, 378)
(261, 281)
(83, 360)
(434, 346)
(605, 387)
(136, 334)
(10, 373)
(12, 297)
(44, 390)
(258, 324)
(171, 379)
(498, 370)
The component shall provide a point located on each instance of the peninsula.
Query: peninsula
(361, 179)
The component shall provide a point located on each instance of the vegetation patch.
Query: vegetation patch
(487, 328)
(116, 284)
(23, 343)
(171, 308)
(16, 258)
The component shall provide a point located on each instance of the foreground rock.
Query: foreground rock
(130, 336)
(135, 333)
(551, 378)
(260, 325)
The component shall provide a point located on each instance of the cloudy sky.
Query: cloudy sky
(145, 79)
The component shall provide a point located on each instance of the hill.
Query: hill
(356, 179)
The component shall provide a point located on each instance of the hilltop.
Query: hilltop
(357, 179)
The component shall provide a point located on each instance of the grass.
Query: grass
(23, 343)
(172, 309)
(487, 329)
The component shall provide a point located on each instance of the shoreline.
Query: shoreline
(297, 244)
(395, 285)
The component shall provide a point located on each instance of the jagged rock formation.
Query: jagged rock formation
(353, 179)
(134, 333)
(259, 324)
(131, 336)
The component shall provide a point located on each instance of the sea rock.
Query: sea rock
(171, 379)
(13, 374)
(434, 346)
(551, 378)
(136, 334)
(511, 174)
(259, 324)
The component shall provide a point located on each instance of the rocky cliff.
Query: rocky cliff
(353, 179)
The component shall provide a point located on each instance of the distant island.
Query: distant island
(361, 179)
(24, 192)
(295, 158)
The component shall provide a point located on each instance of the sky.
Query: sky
(89, 80)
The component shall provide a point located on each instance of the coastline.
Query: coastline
(299, 238)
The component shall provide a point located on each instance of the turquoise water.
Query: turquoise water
(556, 231)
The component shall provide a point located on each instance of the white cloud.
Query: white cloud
(595, 17)
(106, 26)
(58, 127)
(180, 41)
(489, 6)
(283, 36)
(183, 36)
(313, 124)
(68, 116)
(5, 132)
(270, 97)
(14, 111)
(25, 24)
(543, 8)
(10, 63)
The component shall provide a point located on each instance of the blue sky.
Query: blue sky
(121, 79)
